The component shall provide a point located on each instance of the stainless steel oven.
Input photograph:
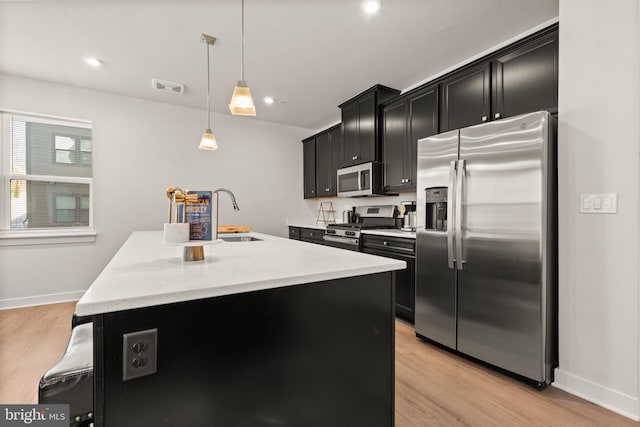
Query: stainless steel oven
(347, 236)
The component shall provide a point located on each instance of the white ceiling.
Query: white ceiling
(313, 54)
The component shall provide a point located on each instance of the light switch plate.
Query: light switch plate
(139, 354)
(600, 203)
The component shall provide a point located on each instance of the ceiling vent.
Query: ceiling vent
(167, 86)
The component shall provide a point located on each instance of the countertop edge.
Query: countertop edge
(86, 306)
(305, 225)
(392, 233)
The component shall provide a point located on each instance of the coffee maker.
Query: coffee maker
(410, 218)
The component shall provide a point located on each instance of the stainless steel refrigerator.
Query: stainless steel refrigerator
(486, 268)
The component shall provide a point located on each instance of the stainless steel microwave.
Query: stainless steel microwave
(360, 180)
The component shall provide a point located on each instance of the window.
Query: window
(47, 168)
(72, 150)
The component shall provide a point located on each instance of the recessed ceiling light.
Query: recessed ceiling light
(371, 6)
(270, 100)
(94, 62)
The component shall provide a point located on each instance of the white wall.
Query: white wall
(140, 149)
(598, 146)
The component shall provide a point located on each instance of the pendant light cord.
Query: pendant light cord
(242, 44)
(208, 91)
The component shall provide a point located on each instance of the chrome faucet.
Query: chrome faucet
(235, 207)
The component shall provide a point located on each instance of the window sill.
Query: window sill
(46, 237)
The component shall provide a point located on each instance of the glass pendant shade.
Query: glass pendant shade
(208, 141)
(241, 100)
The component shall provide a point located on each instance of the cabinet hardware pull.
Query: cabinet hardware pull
(385, 243)
(326, 189)
(484, 118)
(497, 115)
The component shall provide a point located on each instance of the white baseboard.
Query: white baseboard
(6, 304)
(615, 401)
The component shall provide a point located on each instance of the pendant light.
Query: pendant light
(241, 102)
(208, 141)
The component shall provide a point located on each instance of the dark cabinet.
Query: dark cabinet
(379, 126)
(321, 159)
(405, 121)
(518, 79)
(309, 173)
(323, 164)
(466, 97)
(394, 143)
(349, 134)
(360, 125)
(328, 148)
(312, 235)
(526, 79)
(294, 233)
(404, 281)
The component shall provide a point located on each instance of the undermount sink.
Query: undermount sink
(239, 239)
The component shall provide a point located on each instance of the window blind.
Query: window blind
(50, 173)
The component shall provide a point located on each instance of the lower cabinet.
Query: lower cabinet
(294, 233)
(404, 281)
(403, 249)
(311, 235)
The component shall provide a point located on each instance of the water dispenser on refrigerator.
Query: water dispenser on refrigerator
(436, 199)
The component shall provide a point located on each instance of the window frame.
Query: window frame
(38, 236)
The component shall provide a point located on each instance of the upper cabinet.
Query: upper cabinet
(309, 164)
(404, 121)
(328, 149)
(360, 125)
(518, 79)
(526, 79)
(321, 154)
(380, 125)
(466, 97)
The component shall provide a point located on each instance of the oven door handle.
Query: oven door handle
(347, 240)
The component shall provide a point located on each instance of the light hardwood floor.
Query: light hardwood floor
(433, 386)
(32, 339)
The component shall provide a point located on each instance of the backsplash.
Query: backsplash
(346, 203)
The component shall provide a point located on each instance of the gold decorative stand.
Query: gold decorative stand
(326, 215)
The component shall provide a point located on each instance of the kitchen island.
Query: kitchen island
(261, 333)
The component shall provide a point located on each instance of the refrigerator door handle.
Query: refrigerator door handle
(458, 213)
(450, 214)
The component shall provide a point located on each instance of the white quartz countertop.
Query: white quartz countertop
(303, 224)
(144, 272)
(391, 233)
